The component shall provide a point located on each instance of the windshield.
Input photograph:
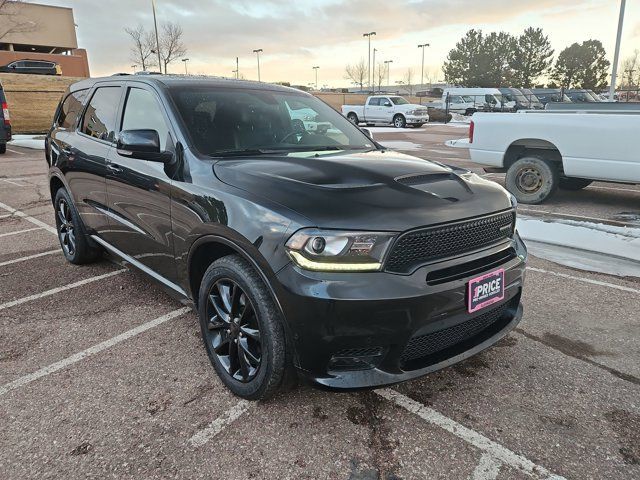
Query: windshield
(227, 121)
(399, 101)
(513, 96)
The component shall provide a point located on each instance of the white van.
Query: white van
(487, 99)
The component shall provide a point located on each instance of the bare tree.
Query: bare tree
(143, 48)
(408, 80)
(631, 70)
(11, 21)
(357, 72)
(171, 46)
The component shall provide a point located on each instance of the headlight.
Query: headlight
(411, 112)
(338, 251)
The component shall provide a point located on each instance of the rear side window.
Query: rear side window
(70, 109)
(100, 117)
(142, 112)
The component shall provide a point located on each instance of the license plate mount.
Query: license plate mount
(485, 290)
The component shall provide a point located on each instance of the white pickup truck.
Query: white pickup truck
(541, 151)
(387, 109)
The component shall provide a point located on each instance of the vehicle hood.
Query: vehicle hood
(409, 106)
(377, 190)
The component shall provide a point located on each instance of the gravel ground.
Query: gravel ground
(102, 375)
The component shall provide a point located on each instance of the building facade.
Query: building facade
(43, 32)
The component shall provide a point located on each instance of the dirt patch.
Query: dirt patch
(368, 414)
(626, 426)
(568, 346)
(318, 414)
(470, 367)
(508, 341)
(82, 449)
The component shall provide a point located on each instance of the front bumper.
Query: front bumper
(376, 317)
(417, 118)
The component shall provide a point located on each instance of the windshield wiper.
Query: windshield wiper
(246, 152)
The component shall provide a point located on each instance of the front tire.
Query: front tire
(242, 329)
(74, 241)
(399, 121)
(574, 184)
(3, 148)
(532, 180)
(353, 118)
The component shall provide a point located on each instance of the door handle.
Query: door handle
(114, 168)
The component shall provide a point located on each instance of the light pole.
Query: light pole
(368, 35)
(316, 69)
(422, 69)
(185, 60)
(374, 69)
(387, 62)
(257, 52)
(237, 70)
(155, 26)
(616, 56)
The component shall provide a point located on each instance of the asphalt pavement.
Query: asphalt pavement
(103, 375)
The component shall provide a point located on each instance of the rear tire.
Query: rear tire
(3, 148)
(353, 118)
(399, 121)
(532, 180)
(242, 329)
(74, 241)
(574, 184)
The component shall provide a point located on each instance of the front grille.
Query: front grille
(418, 247)
(425, 345)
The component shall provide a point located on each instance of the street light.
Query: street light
(185, 60)
(155, 26)
(368, 35)
(316, 69)
(257, 52)
(387, 62)
(374, 69)
(422, 69)
(616, 56)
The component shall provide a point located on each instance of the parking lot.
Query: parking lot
(104, 375)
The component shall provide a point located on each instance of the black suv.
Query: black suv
(5, 122)
(304, 250)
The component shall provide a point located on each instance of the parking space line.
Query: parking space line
(53, 291)
(29, 257)
(219, 424)
(586, 280)
(7, 234)
(28, 218)
(487, 469)
(12, 182)
(498, 452)
(15, 151)
(54, 367)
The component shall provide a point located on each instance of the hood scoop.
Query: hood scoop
(444, 185)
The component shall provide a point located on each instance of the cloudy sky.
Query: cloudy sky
(295, 35)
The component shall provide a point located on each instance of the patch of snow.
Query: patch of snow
(401, 145)
(459, 143)
(35, 142)
(584, 245)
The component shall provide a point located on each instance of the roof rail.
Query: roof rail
(120, 74)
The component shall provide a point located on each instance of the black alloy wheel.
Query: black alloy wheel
(66, 230)
(233, 331)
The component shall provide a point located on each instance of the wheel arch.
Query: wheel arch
(209, 248)
(55, 184)
(534, 147)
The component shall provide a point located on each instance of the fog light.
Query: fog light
(356, 359)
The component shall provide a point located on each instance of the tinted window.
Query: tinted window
(100, 116)
(70, 108)
(227, 120)
(142, 112)
(374, 101)
(399, 101)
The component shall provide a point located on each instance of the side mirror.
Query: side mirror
(367, 132)
(142, 144)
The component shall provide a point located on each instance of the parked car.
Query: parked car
(34, 67)
(515, 97)
(541, 151)
(385, 110)
(322, 254)
(533, 101)
(581, 95)
(486, 99)
(462, 104)
(307, 118)
(550, 95)
(5, 122)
